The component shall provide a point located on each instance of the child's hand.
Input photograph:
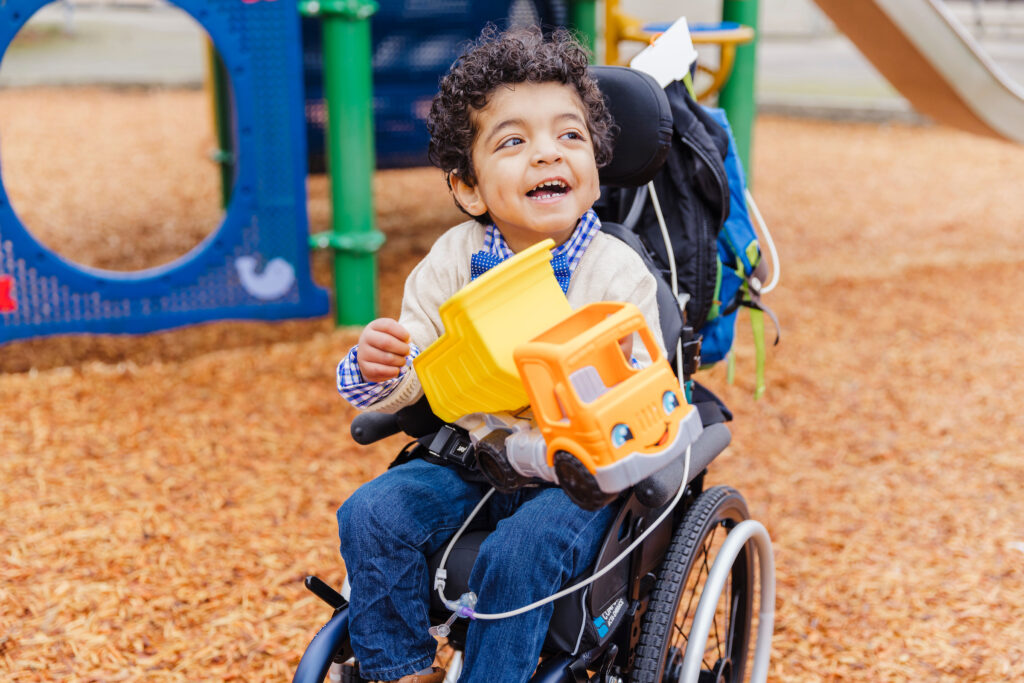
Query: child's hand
(383, 346)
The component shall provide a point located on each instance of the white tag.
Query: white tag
(671, 55)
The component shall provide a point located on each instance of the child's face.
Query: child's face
(534, 163)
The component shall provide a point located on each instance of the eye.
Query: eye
(669, 401)
(621, 434)
(573, 135)
(510, 142)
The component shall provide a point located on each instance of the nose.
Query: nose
(546, 152)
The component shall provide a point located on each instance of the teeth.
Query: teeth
(550, 183)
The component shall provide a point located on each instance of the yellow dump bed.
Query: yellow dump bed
(470, 368)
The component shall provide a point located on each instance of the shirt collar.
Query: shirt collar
(573, 248)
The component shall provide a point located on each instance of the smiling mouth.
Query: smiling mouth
(549, 189)
(663, 438)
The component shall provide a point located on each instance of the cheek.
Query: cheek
(594, 186)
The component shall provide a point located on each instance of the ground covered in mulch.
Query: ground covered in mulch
(163, 496)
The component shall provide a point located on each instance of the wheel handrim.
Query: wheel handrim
(731, 614)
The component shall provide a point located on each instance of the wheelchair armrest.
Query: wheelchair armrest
(369, 427)
(416, 420)
(658, 489)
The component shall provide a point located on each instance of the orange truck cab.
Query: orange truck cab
(604, 421)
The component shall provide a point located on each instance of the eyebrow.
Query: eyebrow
(512, 123)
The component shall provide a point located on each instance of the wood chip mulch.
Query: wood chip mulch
(163, 496)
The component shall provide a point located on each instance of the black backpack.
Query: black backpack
(693, 193)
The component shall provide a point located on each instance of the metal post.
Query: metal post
(348, 92)
(220, 96)
(583, 18)
(737, 96)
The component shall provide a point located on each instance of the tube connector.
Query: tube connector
(440, 576)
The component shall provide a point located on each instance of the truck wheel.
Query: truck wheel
(578, 483)
(492, 459)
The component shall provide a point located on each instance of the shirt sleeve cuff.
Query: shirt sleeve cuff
(362, 394)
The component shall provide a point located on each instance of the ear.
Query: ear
(468, 196)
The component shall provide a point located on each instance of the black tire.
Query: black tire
(493, 463)
(669, 617)
(578, 483)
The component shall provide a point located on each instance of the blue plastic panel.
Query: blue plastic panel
(254, 266)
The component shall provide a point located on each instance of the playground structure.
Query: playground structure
(930, 57)
(256, 263)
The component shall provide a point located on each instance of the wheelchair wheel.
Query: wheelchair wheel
(684, 571)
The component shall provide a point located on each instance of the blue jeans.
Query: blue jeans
(391, 524)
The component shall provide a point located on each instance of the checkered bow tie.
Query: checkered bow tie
(482, 261)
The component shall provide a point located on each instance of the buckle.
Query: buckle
(453, 445)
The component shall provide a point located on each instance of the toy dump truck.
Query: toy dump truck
(607, 424)
(599, 425)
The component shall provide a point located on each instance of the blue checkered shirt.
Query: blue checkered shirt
(362, 394)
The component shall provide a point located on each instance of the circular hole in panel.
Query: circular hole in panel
(108, 137)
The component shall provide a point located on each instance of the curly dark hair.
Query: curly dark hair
(499, 58)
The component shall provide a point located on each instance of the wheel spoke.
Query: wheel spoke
(727, 590)
(730, 638)
(718, 638)
(695, 586)
(679, 628)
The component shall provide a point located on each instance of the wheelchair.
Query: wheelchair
(677, 605)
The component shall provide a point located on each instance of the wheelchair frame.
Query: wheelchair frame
(648, 645)
(654, 581)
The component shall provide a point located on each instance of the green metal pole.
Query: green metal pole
(224, 155)
(737, 96)
(348, 91)
(583, 18)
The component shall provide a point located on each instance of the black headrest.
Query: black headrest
(642, 113)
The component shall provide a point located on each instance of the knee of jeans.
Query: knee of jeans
(358, 518)
(376, 516)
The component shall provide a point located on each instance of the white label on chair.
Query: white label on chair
(671, 55)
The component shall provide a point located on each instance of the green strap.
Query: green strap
(730, 367)
(757, 324)
(716, 301)
(688, 82)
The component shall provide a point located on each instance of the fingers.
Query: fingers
(377, 372)
(388, 338)
(383, 348)
(389, 327)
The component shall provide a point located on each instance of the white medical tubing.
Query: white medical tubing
(672, 268)
(759, 219)
(439, 585)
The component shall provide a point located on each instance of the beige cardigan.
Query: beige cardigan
(609, 270)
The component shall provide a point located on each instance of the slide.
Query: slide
(927, 54)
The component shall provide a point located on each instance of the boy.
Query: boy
(519, 128)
